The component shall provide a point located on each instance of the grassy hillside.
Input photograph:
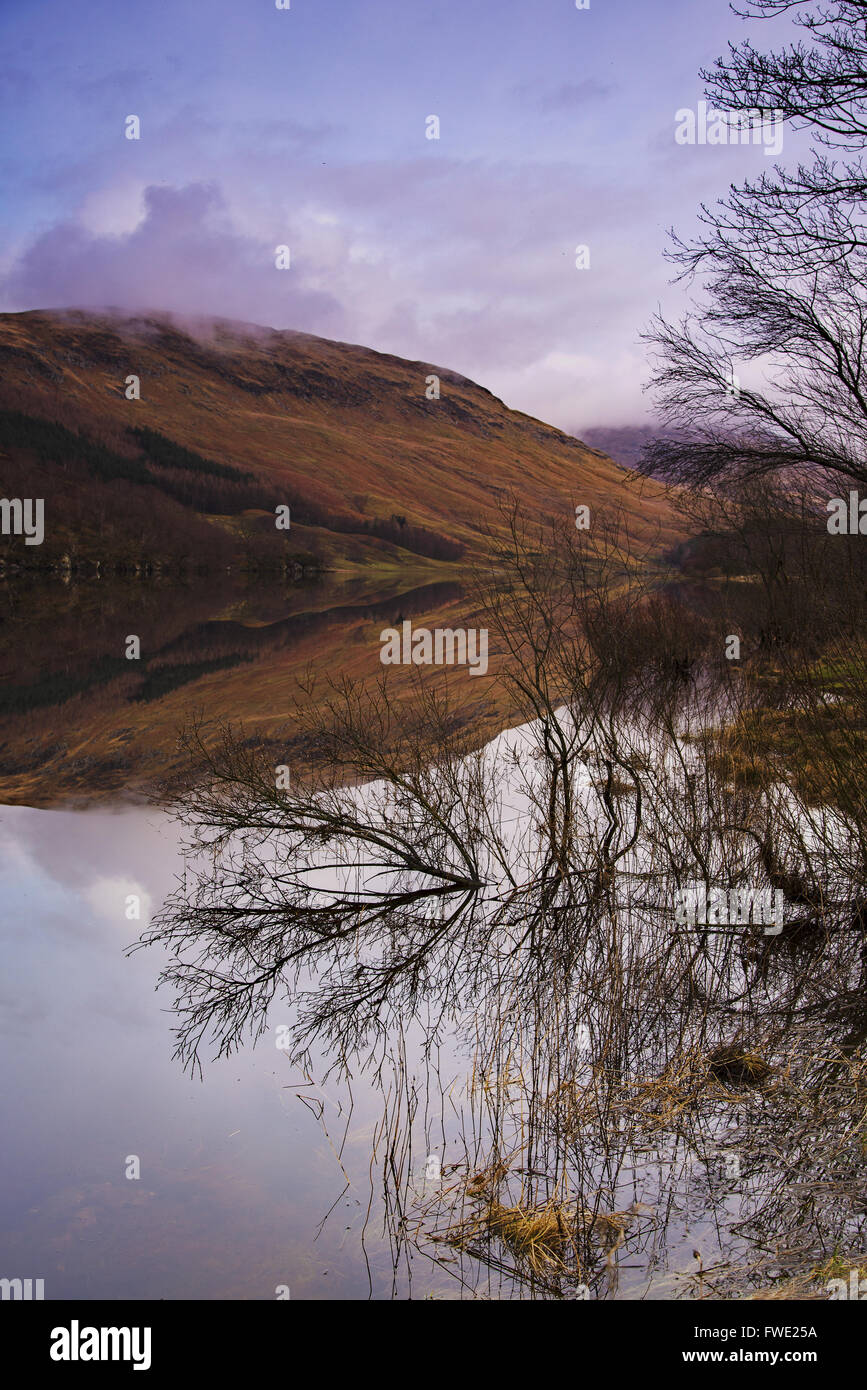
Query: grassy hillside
(235, 420)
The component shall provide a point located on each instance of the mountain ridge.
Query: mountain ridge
(375, 467)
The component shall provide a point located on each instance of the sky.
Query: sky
(308, 128)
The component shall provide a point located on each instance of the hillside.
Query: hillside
(234, 420)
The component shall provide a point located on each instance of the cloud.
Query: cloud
(108, 897)
(261, 128)
(185, 254)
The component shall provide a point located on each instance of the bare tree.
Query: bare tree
(782, 268)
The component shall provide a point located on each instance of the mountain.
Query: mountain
(390, 491)
(234, 420)
(624, 443)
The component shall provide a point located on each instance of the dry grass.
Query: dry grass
(541, 1237)
(659, 1102)
(736, 1067)
(537, 1236)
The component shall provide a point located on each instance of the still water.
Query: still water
(261, 1180)
(240, 1169)
(242, 1190)
(236, 1174)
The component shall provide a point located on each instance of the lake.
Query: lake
(553, 1106)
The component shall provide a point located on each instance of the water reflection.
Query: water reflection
(78, 719)
(512, 1071)
(235, 1173)
(615, 1103)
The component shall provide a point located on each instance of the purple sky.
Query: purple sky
(306, 127)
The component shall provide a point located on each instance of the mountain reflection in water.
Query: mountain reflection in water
(465, 1048)
(80, 722)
